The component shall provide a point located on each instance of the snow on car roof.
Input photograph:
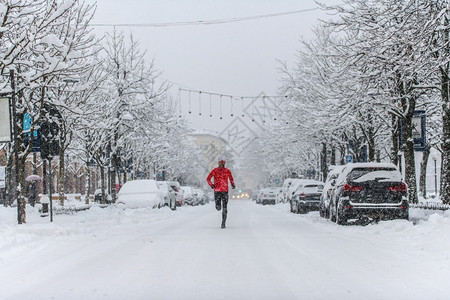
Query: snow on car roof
(351, 166)
(139, 186)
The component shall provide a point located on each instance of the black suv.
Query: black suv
(369, 190)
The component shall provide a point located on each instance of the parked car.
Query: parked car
(268, 195)
(325, 197)
(188, 195)
(280, 196)
(371, 191)
(178, 192)
(140, 194)
(200, 197)
(307, 196)
(286, 184)
(169, 196)
(98, 197)
(254, 195)
(295, 183)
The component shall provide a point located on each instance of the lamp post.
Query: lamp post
(435, 158)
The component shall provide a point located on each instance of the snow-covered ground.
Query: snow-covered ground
(264, 253)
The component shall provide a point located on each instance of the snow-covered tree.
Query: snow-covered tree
(43, 41)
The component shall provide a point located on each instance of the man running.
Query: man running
(220, 186)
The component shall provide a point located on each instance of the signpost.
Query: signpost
(50, 143)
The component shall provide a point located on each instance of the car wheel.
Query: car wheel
(292, 209)
(174, 205)
(321, 212)
(340, 220)
(331, 215)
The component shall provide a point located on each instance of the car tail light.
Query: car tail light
(398, 188)
(352, 188)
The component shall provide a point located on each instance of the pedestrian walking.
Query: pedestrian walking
(220, 186)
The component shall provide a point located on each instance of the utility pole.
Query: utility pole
(16, 193)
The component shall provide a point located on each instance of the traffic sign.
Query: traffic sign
(348, 158)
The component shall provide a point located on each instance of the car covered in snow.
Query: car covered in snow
(268, 195)
(325, 197)
(178, 192)
(200, 197)
(168, 194)
(140, 194)
(188, 194)
(372, 191)
(307, 196)
(295, 184)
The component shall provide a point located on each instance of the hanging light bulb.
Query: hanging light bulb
(231, 103)
(200, 103)
(179, 100)
(210, 109)
(221, 107)
(190, 102)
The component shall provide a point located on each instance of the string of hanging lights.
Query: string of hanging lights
(262, 106)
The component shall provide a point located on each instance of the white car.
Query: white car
(140, 194)
(268, 195)
(295, 183)
(178, 192)
(169, 196)
(188, 195)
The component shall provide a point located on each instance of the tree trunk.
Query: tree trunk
(395, 138)
(445, 145)
(88, 184)
(324, 162)
(35, 163)
(423, 171)
(371, 145)
(9, 177)
(102, 176)
(61, 175)
(113, 177)
(333, 156)
(342, 153)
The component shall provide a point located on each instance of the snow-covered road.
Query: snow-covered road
(264, 253)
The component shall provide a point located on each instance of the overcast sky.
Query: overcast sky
(237, 58)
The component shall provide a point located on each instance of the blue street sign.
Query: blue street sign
(348, 158)
(27, 121)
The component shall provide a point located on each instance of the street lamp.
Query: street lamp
(435, 157)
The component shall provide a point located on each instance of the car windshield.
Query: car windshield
(374, 174)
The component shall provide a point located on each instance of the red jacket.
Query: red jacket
(221, 176)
